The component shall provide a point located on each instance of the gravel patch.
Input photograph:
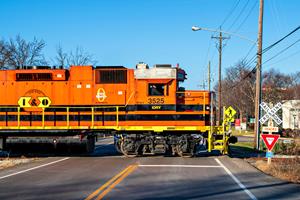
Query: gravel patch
(10, 162)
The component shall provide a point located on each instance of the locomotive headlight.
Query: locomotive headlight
(207, 108)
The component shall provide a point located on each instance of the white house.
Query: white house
(291, 114)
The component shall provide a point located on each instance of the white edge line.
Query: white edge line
(33, 168)
(188, 166)
(236, 180)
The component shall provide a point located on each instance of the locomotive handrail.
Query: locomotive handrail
(67, 110)
(131, 95)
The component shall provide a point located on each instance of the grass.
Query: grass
(241, 133)
(248, 145)
(286, 169)
(283, 168)
(243, 150)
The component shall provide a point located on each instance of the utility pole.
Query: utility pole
(258, 75)
(208, 82)
(203, 85)
(220, 46)
(210, 107)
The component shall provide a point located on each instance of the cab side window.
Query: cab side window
(155, 89)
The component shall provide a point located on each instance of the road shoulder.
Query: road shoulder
(258, 182)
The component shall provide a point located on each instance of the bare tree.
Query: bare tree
(294, 91)
(238, 91)
(61, 57)
(23, 53)
(239, 88)
(79, 57)
(276, 86)
(4, 54)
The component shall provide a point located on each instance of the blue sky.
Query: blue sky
(124, 32)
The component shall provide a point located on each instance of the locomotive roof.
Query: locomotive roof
(110, 67)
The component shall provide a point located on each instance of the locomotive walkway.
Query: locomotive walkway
(108, 175)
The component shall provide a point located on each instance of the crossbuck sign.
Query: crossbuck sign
(270, 113)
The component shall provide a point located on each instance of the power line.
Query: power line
(230, 13)
(247, 66)
(275, 16)
(223, 22)
(245, 19)
(277, 42)
(240, 13)
(208, 50)
(280, 52)
(241, 24)
(251, 60)
(249, 51)
(285, 58)
(267, 49)
(238, 17)
(274, 44)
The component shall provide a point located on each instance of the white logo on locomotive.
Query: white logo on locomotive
(101, 96)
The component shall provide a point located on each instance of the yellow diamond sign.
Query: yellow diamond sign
(229, 114)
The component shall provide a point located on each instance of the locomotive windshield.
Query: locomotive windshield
(156, 89)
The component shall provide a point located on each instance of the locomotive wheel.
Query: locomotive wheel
(118, 147)
(185, 148)
(90, 144)
(184, 154)
(125, 152)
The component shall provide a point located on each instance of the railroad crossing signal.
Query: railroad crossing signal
(270, 140)
(28, 102)
(270, 129)
(270, 113)
(229, 114)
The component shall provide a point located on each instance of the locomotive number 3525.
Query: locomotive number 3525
(156, 100)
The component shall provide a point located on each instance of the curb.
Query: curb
(286, 156)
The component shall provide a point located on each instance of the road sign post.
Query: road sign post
(270, 124)
(270, 115)
(228, 117)
(270, 141)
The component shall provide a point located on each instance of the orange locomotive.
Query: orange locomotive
(145, 107)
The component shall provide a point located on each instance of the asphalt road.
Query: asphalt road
(108, 175)
(245, 138)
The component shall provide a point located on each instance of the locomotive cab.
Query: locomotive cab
(178, 118)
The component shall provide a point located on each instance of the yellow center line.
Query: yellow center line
(91, 196)
(121, 178)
